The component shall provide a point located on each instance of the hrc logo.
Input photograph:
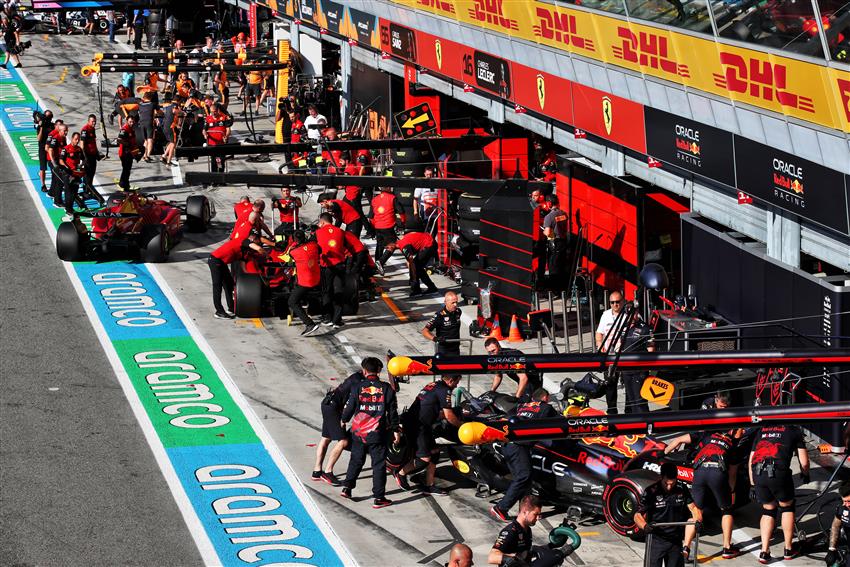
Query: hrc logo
(561, 28)
(648, 50)
(490, 12)
(760, 79)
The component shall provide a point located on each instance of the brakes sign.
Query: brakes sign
(656, 390)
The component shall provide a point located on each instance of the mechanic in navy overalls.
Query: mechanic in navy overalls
(666, 501)
(518, 455)
(714, 471)
(444, 327)
(841, 523)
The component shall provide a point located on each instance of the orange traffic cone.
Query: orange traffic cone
(496, 331)
(515, 336)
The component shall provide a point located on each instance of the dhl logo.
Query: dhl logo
(490, 12)
(786, 183)
(439, 5)
(561, 28)
(648, 50)
(760, 79)
(844, 90)
(622, 443)
(687, 146)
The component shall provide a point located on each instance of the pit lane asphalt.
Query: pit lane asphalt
(80, 485)
(285, 376)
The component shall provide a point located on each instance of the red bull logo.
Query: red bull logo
(622, 443)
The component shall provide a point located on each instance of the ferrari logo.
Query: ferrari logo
(607, 117)
(381, 210)
(541, 91)
(438, 48)
(332, 243)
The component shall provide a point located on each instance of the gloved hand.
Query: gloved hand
(831, 558)
(753, 494)
(648, 529)
(698, 526)
(805, 477)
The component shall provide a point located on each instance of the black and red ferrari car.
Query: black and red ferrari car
(133, 222)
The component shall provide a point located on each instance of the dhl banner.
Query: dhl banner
(803, 90)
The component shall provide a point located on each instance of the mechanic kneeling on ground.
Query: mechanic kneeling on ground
(444, 327)
(332, 428)
(418, 248)
(713, 468)
(518, 455)
(668, 500)
(373, 407)
(772, 481)
(841, 523)
(433, 402)
(525, 383)
(513, 545)
(219, 262)
(308, 277)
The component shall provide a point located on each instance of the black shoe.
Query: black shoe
(434, 490)
(337, 325)
(222, 315)
(316, 476)
(401, 480)
(433, 289)
(414, 293)
(310, 330)
(43, 187)
(18, 66)
(731, 552)
(3, 65)
(499, 514)
(381, 503)
(327, 323)
(379, 267)
(346, 493)
(765, 558)
(330, 478)
(686, 553)
(790, 554)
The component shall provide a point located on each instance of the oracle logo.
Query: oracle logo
(689, 133)
(787, 168)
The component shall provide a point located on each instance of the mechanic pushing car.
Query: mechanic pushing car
(518, 455)
(308, 278)
(343, 213)
(668, 501)
(713, 469)
(840, 524)
(772, 481)
(373, 412)
(444, 327)
(418, 249)
(219, 262)
(526, 383)
(433, 403)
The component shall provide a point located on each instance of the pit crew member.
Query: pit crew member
(418, 248)
(432, 403)
(495, 348)
(288, 207)
(128, 151)
(444, 327)
(841, 523)
(382, 214)
(513, 545)
(88, 136)
(373, 412)
(668, 500)
(771, 477)
(219, 263)
(71, 161)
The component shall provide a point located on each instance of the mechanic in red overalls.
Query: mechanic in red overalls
(128, 151)
(55, 142)
(288, 207)
(88, 135)
(343, 213)
(361, 263)
(418, 248)
(383, 213)
(219, 263)
(252, 220)
(217, 127)
(335, 251)
(243, 207)
(308, 277)
(71, 160)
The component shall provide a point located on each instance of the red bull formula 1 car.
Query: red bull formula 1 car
(135, 222)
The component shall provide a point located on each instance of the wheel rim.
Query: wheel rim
(623, 506)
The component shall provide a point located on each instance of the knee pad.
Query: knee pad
(771, 513)
(787, 509)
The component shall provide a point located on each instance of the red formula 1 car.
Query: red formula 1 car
(133, 222)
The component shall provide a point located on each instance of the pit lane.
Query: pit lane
(284, 376)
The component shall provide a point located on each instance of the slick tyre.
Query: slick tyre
(352, 295)
(155, 244)
(470, 230)
(248, 302)
(621, 498)
(70, 244)
(198, 213)
(469, 206)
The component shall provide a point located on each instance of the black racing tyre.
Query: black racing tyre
(469, 276)
(198, 213)
(621, 498)
(248, 302)
(470, 230)
(352, 295)
(70, 244)
(469, 206)
(155, 244)
(470, 292)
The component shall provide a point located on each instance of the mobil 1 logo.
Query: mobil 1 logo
(695, 147)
